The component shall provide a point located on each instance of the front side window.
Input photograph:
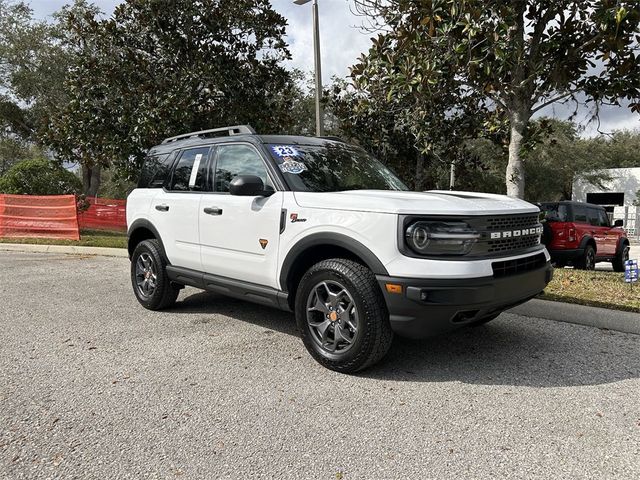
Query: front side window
(332, 167)
(234, 160)
(594, 217)
(603, 219)
(190, 171)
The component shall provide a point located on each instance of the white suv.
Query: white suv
(320, 228)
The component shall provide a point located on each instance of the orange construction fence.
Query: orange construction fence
(104, 214)
(51, 216)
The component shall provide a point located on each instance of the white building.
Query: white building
(617, 195)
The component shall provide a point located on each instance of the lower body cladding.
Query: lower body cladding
(425, 307)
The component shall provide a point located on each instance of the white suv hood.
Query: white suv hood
(435, 202)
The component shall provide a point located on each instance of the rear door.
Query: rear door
(174, 210)
(239, 235)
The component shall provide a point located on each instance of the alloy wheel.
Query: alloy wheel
(332, 316)
(146, 275)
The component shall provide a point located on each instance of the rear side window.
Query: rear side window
(555, 212)
(580, 214)
(190, 171)
(155, 170)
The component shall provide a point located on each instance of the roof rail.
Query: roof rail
(234, 130)
(332, 137)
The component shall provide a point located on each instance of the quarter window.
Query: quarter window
(594, 218)
(190, 171)
(234, 160)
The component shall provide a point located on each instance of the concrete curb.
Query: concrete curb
(627, 322)
(65, 249)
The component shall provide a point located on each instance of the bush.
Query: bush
(39, 177)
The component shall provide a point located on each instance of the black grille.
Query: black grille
(520, 265)
(505, 224)
(510, 244)
(511, 222)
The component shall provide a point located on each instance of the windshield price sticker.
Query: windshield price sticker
(631, 271)
(284, 151)
(194, 170)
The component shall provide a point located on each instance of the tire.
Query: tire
(342, 316)
(149, 280)
(588, 259)
(621, 258)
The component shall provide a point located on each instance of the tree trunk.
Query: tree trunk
(91, 179)
(515, 178)
(419, 180)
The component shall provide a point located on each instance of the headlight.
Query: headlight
(441, 238)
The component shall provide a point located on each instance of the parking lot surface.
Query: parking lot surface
(94, 386)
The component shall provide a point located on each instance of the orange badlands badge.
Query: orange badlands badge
(263, 243)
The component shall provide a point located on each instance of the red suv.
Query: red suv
(580, 234)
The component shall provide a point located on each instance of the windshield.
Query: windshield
(332, 167)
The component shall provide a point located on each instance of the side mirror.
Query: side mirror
(249, 186)
(618, 224)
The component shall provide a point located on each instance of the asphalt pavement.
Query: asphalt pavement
(92, 386)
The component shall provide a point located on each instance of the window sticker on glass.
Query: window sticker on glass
(194, 171)
(289, 165)
(284, 150)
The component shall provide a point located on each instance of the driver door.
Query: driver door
(239, 235)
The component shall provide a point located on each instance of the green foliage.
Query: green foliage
(161, 67)
(443, 61)
(39, 177)
(114, 186)
(33, 66)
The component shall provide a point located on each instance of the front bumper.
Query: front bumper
(429, 307)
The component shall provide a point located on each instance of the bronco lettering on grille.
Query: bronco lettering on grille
(517, 233)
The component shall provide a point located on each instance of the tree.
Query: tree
(513, 58)
(39, 177)
(161, 67)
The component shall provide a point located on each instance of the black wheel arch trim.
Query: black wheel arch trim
(585, 240)
(147, 225)
(330, 239)
(621, 242)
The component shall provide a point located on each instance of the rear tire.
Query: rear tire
(621, 258)
(342, 317)
(588, 259)
(149, 279)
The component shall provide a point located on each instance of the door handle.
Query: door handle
(213, 211)
(162, 208)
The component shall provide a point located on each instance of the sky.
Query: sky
(342, 42)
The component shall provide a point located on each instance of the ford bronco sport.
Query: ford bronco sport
(580, 234)
(318, 227)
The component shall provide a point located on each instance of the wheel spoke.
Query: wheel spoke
(332, 316)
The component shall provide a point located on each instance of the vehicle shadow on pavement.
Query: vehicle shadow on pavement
(511, 350)
(212, 303)
(518, 351)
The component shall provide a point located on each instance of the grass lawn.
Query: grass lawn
(595, 288)
(88, 238)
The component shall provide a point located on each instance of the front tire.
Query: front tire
(621, 258)
(341, 315)
(149, 279)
